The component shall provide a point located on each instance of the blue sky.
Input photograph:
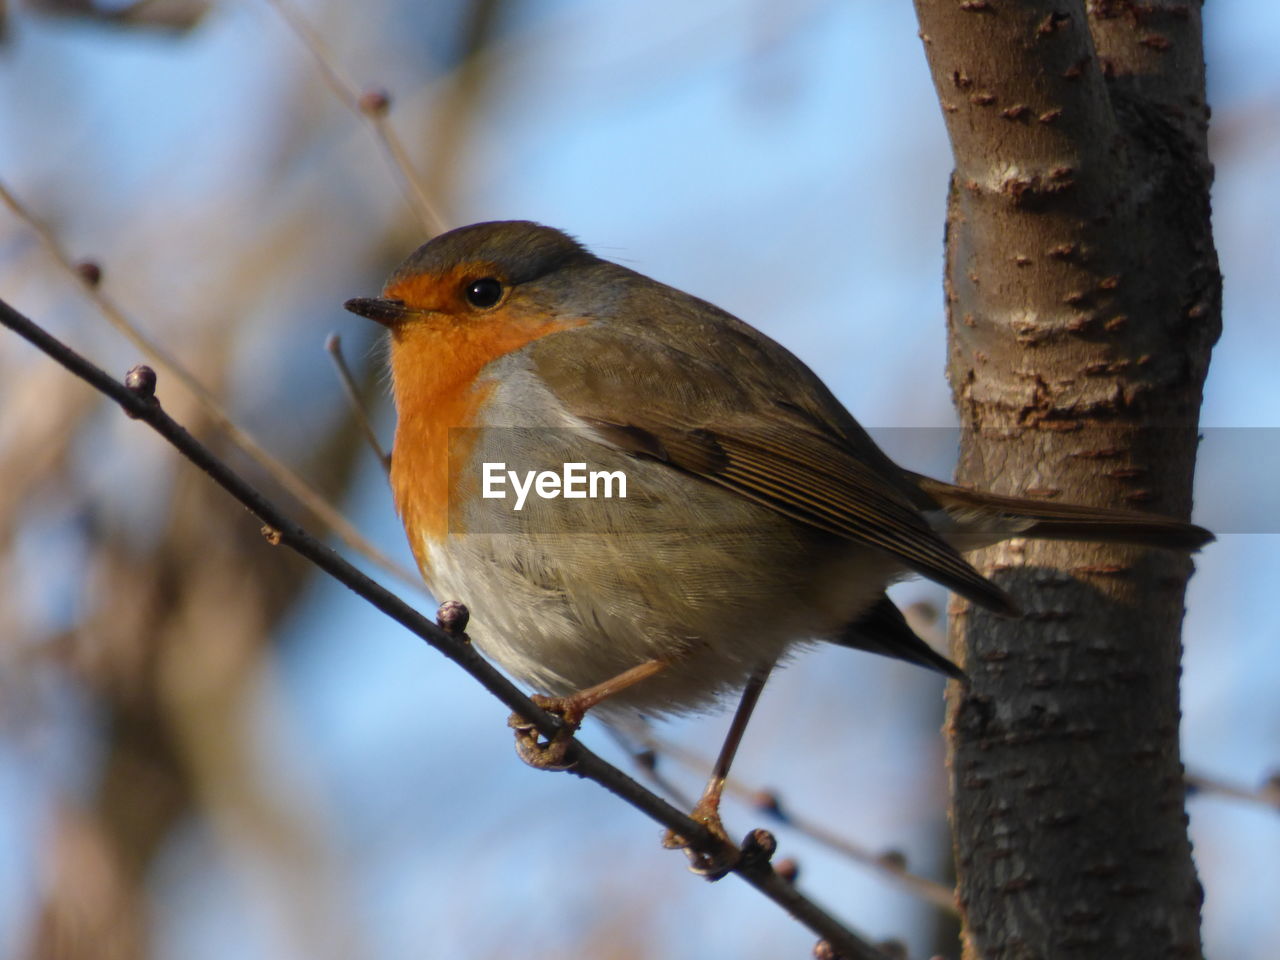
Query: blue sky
(788, 166)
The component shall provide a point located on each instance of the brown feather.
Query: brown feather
(1066, 521)
(884, 630)
(738, 435)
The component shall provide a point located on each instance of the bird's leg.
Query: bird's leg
(553, 754)
(714, 865)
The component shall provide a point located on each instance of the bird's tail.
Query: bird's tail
(981, 519)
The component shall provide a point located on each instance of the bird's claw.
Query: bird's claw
(555, 753)
(711, 862)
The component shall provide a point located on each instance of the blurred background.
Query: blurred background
(207, 751)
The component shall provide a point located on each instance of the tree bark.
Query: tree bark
(1083, 299)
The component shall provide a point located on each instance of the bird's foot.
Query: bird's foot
(715, 860)
(554, 753)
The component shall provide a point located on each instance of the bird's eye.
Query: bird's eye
(484, 292)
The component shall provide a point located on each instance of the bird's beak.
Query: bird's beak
(382, 310)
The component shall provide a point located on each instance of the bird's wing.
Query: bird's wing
(756, 422)
(883, 629)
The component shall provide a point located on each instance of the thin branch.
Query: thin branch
(645, 759)
(138, 401)
(333, 346)
(179, 16)
(1268, 795)
(887, 865)
(87, 276)
(373, 106)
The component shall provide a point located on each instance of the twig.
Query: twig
(887, 865)
(333, 345)
(1268, 795)
(646, 761)
(88, 275)
(373, 106)
(138, 401)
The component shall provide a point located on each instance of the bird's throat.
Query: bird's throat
(437, 369)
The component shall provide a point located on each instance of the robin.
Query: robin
(696, 503)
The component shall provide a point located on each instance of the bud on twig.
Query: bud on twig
(759, 846)
(90, 272)
(375, 101)
(141, 382)
(767, 801)
(893, 860)
(788, 869)
(452, 617)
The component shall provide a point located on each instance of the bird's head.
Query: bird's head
(502, 274)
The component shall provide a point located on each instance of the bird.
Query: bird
(758, 517)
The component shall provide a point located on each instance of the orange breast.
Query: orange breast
(436, 360)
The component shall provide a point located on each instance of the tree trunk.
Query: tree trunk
(1083, 299)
